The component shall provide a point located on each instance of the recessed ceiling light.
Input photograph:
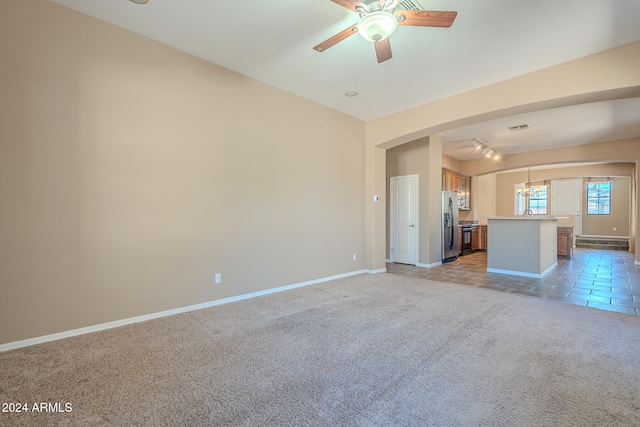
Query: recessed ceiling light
(139, 1)
(351, 93)
(519, 127)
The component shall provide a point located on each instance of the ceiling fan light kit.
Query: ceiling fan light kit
(377, 26)
(378, 21)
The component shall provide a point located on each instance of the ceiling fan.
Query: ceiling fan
(378, 21)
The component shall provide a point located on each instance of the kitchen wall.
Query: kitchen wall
(451, 163)
(615, 224)
(132, 173)
(483, 189)
(620, 217)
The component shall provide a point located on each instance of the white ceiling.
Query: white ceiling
(489, 41)
(557, 127)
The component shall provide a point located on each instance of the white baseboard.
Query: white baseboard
(433, 264)
(600, 236)
(144, 318)
(522, 273)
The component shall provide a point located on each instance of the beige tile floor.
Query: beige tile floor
(603, 279)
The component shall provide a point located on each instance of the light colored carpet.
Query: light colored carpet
(369, 350)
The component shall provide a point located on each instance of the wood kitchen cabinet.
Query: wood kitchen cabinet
(447, 180)
(459, 182)
(483, 237)
(565, 241)
(475, 238)
(464, 195)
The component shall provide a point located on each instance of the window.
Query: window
(538, 202)
(519, 205)
(599, 198)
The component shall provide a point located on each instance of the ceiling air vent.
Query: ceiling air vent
(519, 127)
(409, 5)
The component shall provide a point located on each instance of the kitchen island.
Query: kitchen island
(522, 246)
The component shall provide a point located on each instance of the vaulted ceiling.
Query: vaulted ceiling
(489, 41)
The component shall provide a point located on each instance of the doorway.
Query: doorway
(566, 199)
(403, 219)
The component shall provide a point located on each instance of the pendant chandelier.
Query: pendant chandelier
(528, 190)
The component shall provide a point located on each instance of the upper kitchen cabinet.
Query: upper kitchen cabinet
(459, 182)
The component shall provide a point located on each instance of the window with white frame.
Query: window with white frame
(537, 202)
(519, 201)
(599, 198)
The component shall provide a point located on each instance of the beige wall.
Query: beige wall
(484, 197)
(611, 74)
(615, 224)
(410, 159)
(131, 173)
(620, 217)
(416, 158)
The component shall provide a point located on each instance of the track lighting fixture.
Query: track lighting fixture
(485, 150)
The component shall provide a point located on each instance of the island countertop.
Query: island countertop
(528, 218)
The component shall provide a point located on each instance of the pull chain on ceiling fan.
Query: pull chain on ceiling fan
(378, 21)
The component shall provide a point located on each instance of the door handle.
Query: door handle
(412, 225)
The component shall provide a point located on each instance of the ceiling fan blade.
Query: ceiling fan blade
(337, 38)
(350, 4)
(426, 18)
(383, 50)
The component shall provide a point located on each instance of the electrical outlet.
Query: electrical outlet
(218, 277)
(615, 229)
(354, 257)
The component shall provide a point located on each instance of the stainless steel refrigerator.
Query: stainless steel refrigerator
(450, 248)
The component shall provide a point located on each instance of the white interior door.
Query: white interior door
(404, 219)
(566, 199)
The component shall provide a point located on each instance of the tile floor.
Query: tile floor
(604, 279)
